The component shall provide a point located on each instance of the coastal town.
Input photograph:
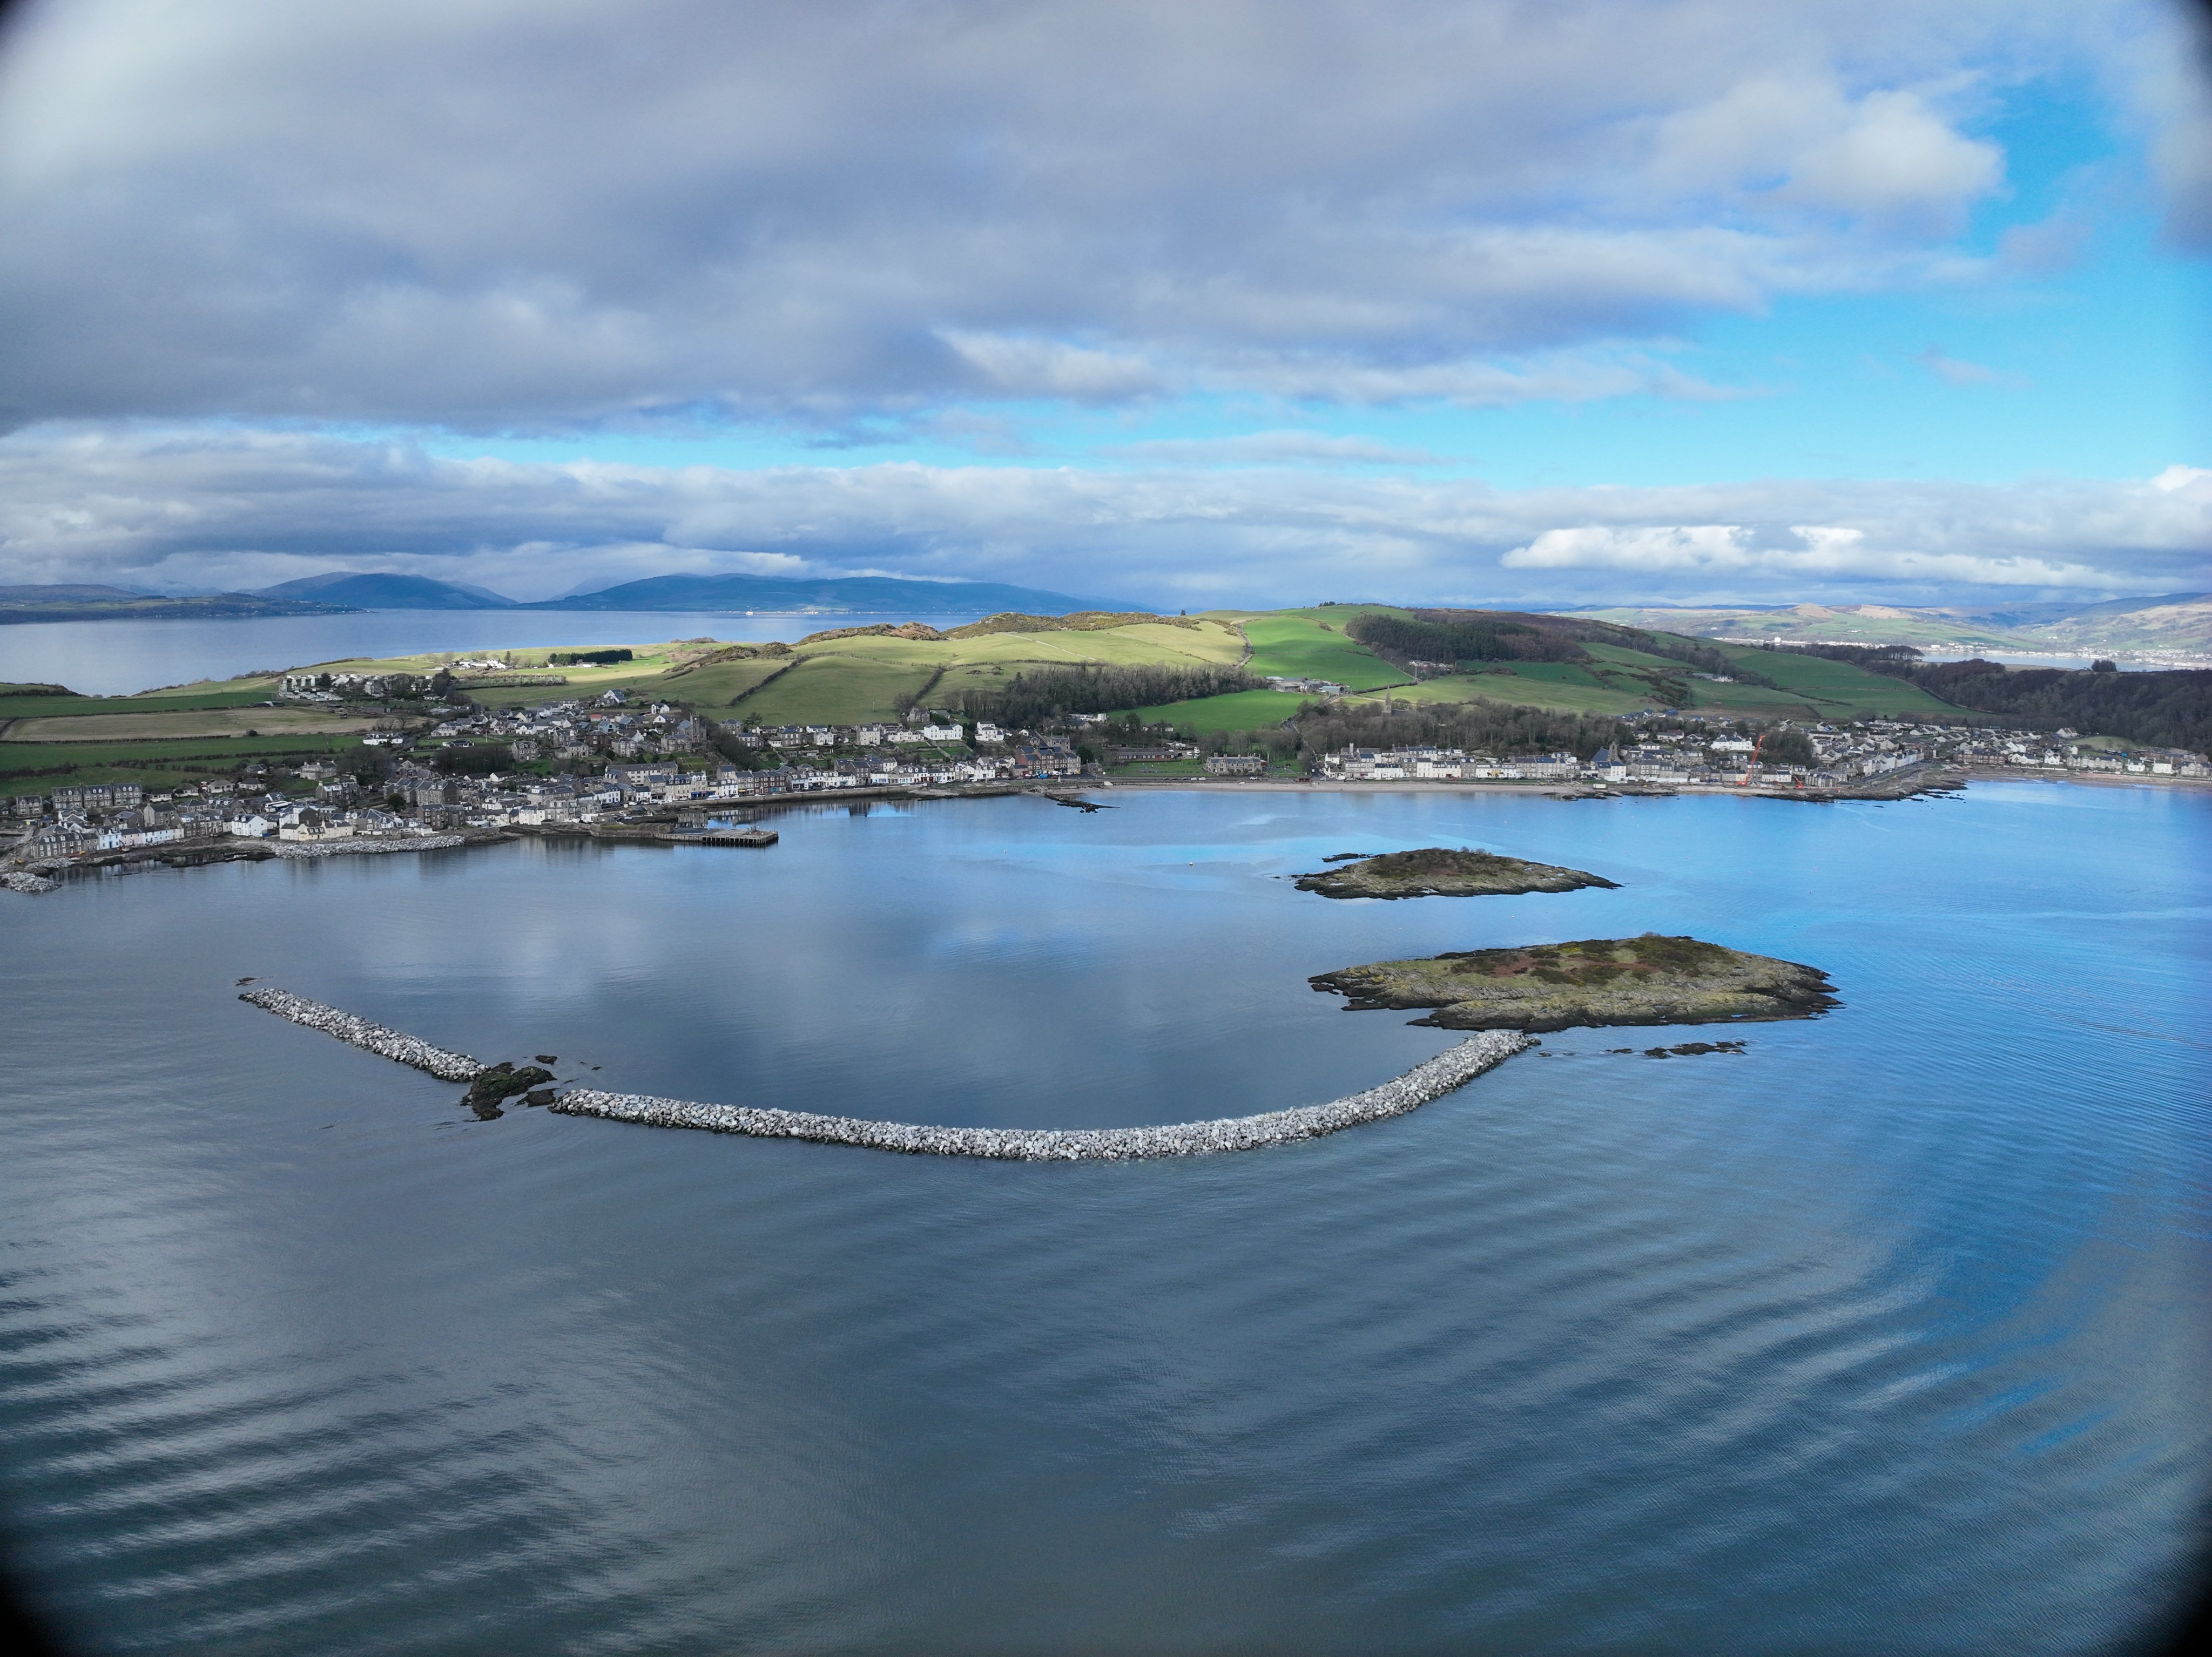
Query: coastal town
(611, 765)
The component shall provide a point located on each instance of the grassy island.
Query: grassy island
(1439, 871)
(1597, 981)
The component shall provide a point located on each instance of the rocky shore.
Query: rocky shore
(1416, 1088)
(1441, 871)
(1594, 982)
(384, 1042)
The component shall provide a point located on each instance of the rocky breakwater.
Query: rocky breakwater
(378, 1038)
(1441, 871)
(335, 848)
(1594, 982)
(1417, 1086)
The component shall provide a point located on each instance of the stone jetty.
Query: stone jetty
(1432, 1079)
(384, 1042)
(1417, 1086)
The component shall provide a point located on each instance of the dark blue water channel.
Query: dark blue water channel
(1889, 1335)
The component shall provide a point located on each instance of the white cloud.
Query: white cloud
(495, 214)
(194, 509)
(1277, 448)
(1956, 371)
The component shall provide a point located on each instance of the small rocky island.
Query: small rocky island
(1598, 981)
(1439, 871)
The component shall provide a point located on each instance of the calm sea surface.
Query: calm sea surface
(113, 658)
(1890, 1336)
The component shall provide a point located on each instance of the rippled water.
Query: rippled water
(1889, 1335)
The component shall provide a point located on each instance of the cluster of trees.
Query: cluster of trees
(1498, 635)
(2169, 709)
(1033, 699)
(1478, 726)
(1460, 636)
(2172, 708)
(477, 760)
(594, 657)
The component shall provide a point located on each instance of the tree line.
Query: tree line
(2169, 708)
(1036, 697)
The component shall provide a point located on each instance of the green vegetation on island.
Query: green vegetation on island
(1590, 983)
(1442, 871)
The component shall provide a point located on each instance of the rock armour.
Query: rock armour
(386, 1043)
(338, 848)
(1417, 1086)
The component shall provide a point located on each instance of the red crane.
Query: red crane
(1753, 764)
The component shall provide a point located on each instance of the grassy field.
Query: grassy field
(1244, 710)
(835, 681)
(1310, 644)
(1838, 688)
(225, 693)
(209, 722)
(1525, 684)
(40, 768)
(833, 690)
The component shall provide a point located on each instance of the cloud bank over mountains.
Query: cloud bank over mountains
(253, 509)
(230, 226)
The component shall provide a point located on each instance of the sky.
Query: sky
(1247, 303)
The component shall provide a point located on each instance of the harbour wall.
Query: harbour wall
(1431, 1079)
(384, 1042)
(1450, 1069)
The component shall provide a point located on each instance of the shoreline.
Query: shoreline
(50, 873)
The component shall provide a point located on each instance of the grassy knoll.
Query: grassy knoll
(1310, 644)
(833, 680)
(1838, 688)
(1243, 710)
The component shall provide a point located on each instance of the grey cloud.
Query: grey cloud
(542, 213)
(191, 509)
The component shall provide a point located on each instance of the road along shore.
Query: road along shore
(1433, 1078)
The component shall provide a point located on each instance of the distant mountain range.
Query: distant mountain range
(76, 602)
(772, 595)
(341, 590)
(388, 592)
(872, 594)
(2178, 625)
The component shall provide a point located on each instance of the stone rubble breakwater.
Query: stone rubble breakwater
(378, 1038)
(338, 848)
(1431, 1080)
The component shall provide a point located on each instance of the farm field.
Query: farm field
(225, 693)
(36, 767)
(1242, 710)
(1310, 644)
(1836, 689)
(208, 722)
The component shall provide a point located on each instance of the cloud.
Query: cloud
(1953, 371)
(189, 508)
(1284, 448)
(543, 214)
(1824, 552)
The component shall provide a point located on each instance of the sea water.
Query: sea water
(116, 658)
(1888, 1334)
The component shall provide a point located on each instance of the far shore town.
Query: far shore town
(609, 766)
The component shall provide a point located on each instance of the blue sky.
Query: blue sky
(1696, 299)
